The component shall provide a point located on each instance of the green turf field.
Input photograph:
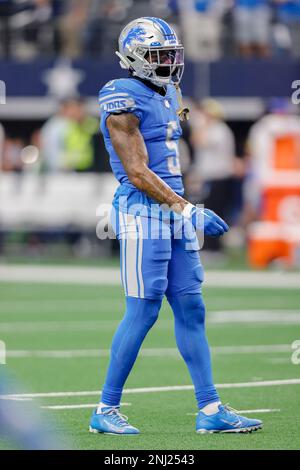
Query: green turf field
(53, 335)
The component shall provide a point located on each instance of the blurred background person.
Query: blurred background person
(52, 138)
(201, 22)
(252, 27)
(11, 155)
(104, 19)
(78, 142)
(5, 11)
(33, 27)
(22, 423)
(71, 27)
(67, 138)
(1, 145)
(214, 161)
(288, 15)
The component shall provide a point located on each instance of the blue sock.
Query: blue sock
(140, 316)
(189, 313)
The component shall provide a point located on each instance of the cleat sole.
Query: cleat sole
(248, 430)
(96, 431)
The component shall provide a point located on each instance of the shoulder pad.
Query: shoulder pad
(124, 94)
(114, 98)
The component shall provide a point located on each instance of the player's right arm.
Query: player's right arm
(129, 145)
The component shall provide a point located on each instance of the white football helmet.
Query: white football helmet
(150, 49)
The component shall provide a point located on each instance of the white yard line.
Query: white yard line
(258, 348)
(172, 388)
(75, 407)
(287, 317)
(111, 276)
(278, 360)
(290, 316)
(55, 326)
(60, 274)
(44, 304)
(245, 412)
(147, 352)
(93, 405)
(262, 410)
(14, 398)
(41, 305)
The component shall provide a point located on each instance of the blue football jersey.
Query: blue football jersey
(159, 126)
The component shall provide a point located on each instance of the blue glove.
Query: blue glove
(209, 222)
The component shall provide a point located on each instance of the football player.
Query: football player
(140, 121)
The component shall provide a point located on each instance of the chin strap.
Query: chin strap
(182, 112)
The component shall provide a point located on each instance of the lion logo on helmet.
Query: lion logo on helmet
(135, 33)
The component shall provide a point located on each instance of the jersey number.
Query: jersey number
(173, 162)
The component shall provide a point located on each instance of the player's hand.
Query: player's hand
(209, 222)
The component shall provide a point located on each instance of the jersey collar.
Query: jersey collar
(162, 91)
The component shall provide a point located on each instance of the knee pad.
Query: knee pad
(185, 274)
(155, 288)
(155, 265)
(194, 304)
(145, 310)
(189, 308)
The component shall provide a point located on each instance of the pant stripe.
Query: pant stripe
(140, 258)
(131, 256)
(131, 240)
(137, 258)
(123, 237)
(121, 250)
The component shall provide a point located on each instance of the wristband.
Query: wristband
(188, 211)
